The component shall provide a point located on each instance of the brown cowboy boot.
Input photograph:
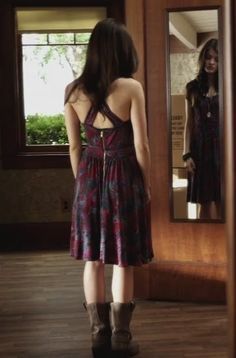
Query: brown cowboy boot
(100, 328)
(121, 340)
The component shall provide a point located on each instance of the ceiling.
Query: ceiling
(202, 20)
(186, 25)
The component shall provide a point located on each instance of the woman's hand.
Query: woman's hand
(148, 193)
(190, 165)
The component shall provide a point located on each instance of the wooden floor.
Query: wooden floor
(41, 315)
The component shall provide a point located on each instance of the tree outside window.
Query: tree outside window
(49, 62)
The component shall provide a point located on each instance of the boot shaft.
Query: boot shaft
(121, 315)
(99, 323)
(99, 316)
(121, 340)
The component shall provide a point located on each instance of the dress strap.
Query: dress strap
(90, 116)
(105, 109)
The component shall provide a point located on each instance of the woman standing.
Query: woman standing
(201, 144)
(110, 218)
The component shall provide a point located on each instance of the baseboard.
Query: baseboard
(189, 281)
(34, 236)
(182, 281)
(166, 280)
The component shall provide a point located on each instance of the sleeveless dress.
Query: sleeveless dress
(204, 185)
(111, 211)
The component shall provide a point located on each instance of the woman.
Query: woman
(110, 219)
(201, 144)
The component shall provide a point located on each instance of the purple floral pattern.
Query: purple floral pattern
(111, 213)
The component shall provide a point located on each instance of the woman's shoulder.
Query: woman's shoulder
(192, 84)
(73, 92)
(130, 86)
(68, 91)
(192, 88)
(127, 82)
(69, 86)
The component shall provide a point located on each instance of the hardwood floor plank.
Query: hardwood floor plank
(41, 315)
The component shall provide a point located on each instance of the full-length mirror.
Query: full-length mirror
(194, 75)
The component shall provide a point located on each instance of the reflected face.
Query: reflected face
(211, 62)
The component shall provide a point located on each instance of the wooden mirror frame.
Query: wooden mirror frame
(221, 114)
(230, 164)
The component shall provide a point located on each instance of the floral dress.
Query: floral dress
(205, 185)
(111, 211)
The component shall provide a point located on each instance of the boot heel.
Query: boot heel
(101, 352)
(120, 354)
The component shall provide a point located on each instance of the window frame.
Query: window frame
(23, 129)
(15, 154)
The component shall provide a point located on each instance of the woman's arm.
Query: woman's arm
(73, 132)
(187, 127)
(139, 124)
(187, 130)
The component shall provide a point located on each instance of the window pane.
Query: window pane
(82, 37)
(61, 38)
(46, 72)
(34, 39)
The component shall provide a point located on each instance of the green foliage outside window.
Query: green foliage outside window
(64, 48)
(42, 129)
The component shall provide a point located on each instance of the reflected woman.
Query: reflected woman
(201, 135)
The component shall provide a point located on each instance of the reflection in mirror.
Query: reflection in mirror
(194, 112)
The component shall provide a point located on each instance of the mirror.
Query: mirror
(194, 100)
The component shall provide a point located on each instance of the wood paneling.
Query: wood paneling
(34, 236)
(135, 23)
(134, 19)
(230, 118)
(188, 281)
(179, 245)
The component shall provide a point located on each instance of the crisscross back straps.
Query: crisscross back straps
(106, 111)
(116, 121)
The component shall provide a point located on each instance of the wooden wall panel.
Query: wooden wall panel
(230, 116)
(134, 19)
(34, 236)
(187, 281)
(177, 246)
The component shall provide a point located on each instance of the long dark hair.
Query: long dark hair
(110, 54)
(200, 85)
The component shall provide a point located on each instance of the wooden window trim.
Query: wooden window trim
(14, 153)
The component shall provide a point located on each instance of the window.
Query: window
(44, 50)
(52, 47)
(49, 62)
(25, 25)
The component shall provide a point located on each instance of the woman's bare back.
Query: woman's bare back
(119, 101)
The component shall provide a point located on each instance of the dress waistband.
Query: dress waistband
(112, 153)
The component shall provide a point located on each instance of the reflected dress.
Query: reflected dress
(111, 212)
(204, 184)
